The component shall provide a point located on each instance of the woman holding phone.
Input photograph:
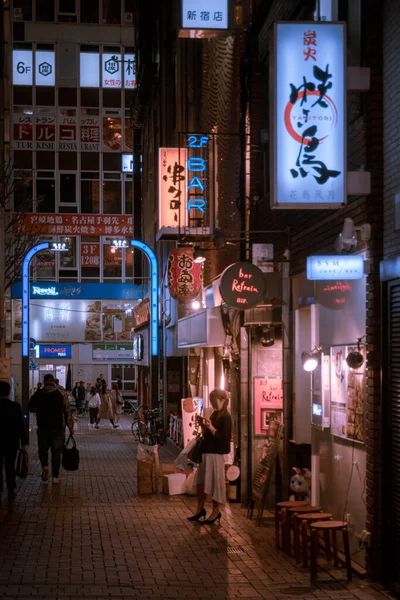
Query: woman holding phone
(210, 476)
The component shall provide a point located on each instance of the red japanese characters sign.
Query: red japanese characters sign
(90, 133)
(184, 275)
(67, 133)
(45, 132)
(22, 132)
(50, 224)
(90, 254)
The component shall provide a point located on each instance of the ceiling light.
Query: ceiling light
(355, 359)
(199, 254)
(310, 359)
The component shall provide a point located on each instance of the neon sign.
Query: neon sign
(197, 170)
(25, 294)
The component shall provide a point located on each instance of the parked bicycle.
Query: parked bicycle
(138, 427)
(150, 428)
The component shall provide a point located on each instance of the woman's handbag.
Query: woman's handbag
(70, 456)
(22, 464)
(195, 453)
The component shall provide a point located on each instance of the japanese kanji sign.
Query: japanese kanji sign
(67, 133)
(22, 131)
(45, 132)
(309, 169)
(205, 14)
(90, 133)
(90, 254)
(111, 75)
(172, 187)
(64, 224)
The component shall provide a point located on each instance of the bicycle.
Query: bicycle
(138, 428)
(155, 433)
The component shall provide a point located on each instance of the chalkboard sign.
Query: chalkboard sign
(265, 469)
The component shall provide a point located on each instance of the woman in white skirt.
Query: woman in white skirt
(210, 476)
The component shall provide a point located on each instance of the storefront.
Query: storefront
(77, 336)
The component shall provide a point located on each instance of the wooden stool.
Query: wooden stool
(302, 520)
(293, 520)
(281, 516)
(327, 527)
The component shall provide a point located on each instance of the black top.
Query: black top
(52, 409)
(11, 425)
(220, 443)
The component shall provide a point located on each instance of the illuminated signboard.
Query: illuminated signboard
(111, 76)
(45, 68)
(242, 285)
(127, 163)
(55, 351)
(137, 347)
(172, 187)
(309, 103)
(205, 14)
(197, 177)
(129, 69)
(22, 67)
(335, 267)
(90, 69)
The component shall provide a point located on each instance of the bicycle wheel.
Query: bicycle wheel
(135, 431)
(162, 437)
(142, 433)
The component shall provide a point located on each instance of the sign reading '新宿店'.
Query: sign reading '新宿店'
(309, 116)
(242, 285)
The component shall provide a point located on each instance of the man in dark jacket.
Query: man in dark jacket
(12, 433)
(53, 413)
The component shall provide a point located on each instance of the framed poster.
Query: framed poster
(268, 403)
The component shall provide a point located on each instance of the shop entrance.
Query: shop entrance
(58, 371)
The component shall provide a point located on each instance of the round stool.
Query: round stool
(281, 516)
(291, 520)
(328, 527)
(302, 520)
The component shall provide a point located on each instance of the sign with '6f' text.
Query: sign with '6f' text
(309, 166)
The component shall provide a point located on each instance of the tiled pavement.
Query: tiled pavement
(93, 537)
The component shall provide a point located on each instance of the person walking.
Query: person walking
(81, 397)
(210, 476)
(106, 409)
(119, 383)
(100, 382)
(94, 405)
(12, 434)
(75, 395)
(117, 404)
(53, 413)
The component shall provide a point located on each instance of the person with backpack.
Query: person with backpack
(117, 404)
(53, 414)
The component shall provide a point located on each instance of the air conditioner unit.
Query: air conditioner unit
(129, 18)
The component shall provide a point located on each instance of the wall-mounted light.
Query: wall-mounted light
(196, 304)
(348, 238)
(310, 359)
(119, 244)
(355, 359)
(267, 336)
(199, 254)
(59, 247)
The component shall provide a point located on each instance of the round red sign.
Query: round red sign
(242, 285)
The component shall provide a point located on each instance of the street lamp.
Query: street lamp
(55, 247)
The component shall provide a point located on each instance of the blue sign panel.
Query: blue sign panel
(205, 14)
(335, 267)
(83, 291)
(55, 351)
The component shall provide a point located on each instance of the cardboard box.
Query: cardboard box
(145, 477)
(173, 483)
(167, 468)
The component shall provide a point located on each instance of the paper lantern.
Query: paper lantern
(184, 275)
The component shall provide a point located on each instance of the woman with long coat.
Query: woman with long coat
(106, 408)
(117, 404)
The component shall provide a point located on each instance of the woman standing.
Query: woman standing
(210, 476)
(94, 405)
(106, 409)
(117, 404)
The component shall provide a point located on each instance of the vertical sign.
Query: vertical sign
(22, 131)
(111, 72)
(129, 71)
(205, 14)
(45, 132)
(309, 169)
(198, 179)
(45, 68)
(90, 133)
(172, 187)
(67, 132)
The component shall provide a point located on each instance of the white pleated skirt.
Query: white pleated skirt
(211, 473)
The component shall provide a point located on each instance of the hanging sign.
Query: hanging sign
(335, 267)
(172, 187)
(242, 285)
(22, 131)
(309, 100)
(45, 132)
(205, 14)
(184, 275)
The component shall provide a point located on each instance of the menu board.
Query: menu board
(112, 351)
(347, 395)
(268, 403)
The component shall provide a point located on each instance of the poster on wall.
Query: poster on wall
(268, 403)
(347, 396)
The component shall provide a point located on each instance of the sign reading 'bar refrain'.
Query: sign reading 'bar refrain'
(309, 169)
(51, 224)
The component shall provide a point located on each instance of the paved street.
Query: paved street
(93, 537)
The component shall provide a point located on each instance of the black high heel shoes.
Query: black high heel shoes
(202, 513)
(211, 521)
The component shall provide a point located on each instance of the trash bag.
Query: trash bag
(182, 461)
(22, 464)
(189, 487)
